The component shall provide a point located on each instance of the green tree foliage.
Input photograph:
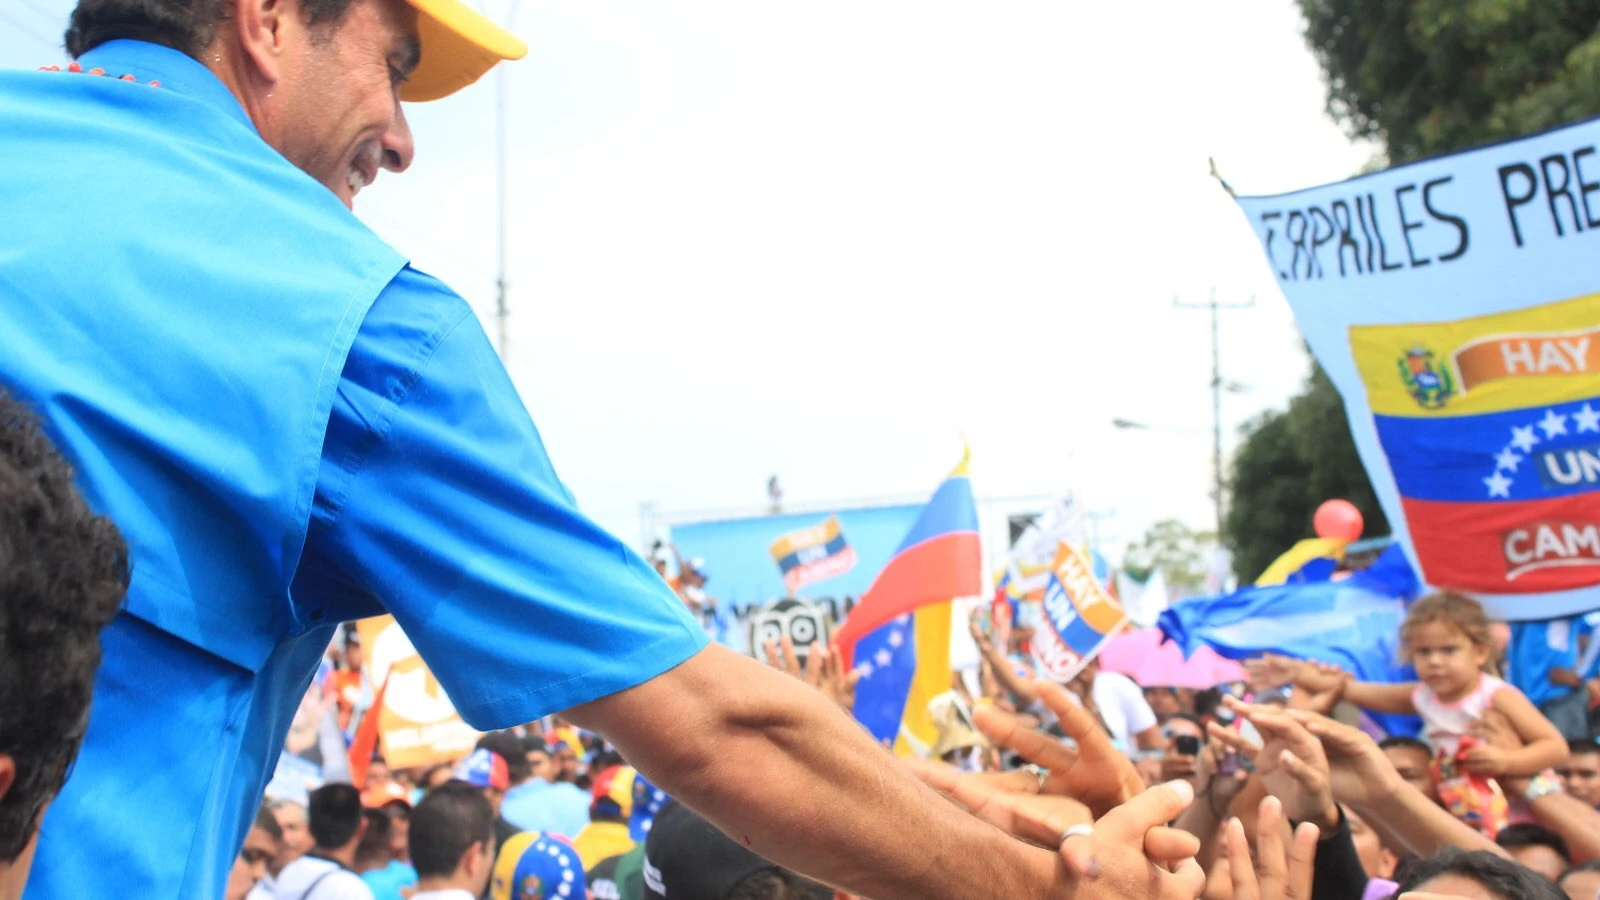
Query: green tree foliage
(1430, 76)
(1290, 462)
(1171, 548)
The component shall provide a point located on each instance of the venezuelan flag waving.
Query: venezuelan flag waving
(939, 559)
(898, 636)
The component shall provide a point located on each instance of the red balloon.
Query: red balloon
(1338, 519)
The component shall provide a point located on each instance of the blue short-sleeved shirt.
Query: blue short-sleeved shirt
(435, 494)
(433, 500)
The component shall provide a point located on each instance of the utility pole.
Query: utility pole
(500, 198)
(501, 308)
(1216, 395)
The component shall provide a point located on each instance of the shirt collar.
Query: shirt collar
(178, 72)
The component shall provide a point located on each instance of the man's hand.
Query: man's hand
(1274, 876)
(1484, 759)
(1176, 766)
(1008, 801)
(1565, 678)
(1291, 763)
(1122, 851)
(1094, 774)
(1360, 773)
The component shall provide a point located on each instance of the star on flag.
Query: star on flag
(1587, 419)
(1506, 459)
(1524, 438)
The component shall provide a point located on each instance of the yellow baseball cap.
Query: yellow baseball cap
(458, 46)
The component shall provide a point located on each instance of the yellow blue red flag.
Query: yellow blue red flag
(898, 637)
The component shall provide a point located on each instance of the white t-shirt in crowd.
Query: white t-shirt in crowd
(299, 881)
(1122, 708)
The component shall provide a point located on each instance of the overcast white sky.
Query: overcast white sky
(824, 239)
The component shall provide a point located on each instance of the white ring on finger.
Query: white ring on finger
(1076, 831)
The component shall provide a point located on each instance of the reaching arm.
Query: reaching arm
(1577, 822)
(1542, 744)
(787, 774)
(1150, 739)
(1404, 817)
(1009, 680)
(1388, 698)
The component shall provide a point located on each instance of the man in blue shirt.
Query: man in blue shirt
(294, 428)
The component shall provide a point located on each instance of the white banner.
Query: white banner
(1455, 303)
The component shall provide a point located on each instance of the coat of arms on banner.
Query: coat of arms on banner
(1428, 384)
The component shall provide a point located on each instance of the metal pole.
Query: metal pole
(1216, 395)
(1216, 414)
(500, 310)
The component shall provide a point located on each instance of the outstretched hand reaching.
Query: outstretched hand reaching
(1095, 773)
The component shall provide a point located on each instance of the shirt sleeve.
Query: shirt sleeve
(436, 497)
(1135, 709)
(1337, 874)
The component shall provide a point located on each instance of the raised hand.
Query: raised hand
(1270, 670)
(1291, 762)
(1094, 774)
(1275, 875)
(1359, 772)
(1006, 802)
(823, 670)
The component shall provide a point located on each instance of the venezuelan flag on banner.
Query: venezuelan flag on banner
(1492, 429)
(898, 636)
(1455, 304)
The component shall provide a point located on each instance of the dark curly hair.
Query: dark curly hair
(63, 574)
(188, 26)
(1501, 876)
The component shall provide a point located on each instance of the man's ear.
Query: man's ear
(262, 28)
(8, 773)
(473, 861)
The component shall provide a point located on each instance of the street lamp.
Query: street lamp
(1131, 425)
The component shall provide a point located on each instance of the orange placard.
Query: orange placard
(417, 723)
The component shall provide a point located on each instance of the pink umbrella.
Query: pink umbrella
(1140, 655)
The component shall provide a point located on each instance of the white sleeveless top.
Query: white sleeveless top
(1445, 724)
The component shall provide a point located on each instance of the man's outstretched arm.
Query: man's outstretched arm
(783, 771)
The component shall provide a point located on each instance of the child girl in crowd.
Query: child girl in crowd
(1448, 639)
